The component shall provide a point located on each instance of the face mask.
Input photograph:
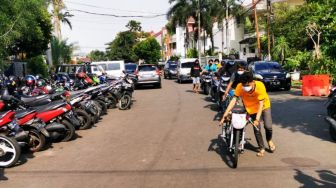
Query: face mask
(247, 88)
(240, 72)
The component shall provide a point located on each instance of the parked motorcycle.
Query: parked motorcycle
(331, 109)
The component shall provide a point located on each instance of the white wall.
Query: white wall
(180, 49)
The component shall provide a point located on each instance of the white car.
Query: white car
(113, 69)
(183, 69)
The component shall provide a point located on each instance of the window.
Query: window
(252, 50)
(187, 65)
(113, 66)
(147, 68)
(267, 67)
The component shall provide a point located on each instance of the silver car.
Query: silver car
(148, 74)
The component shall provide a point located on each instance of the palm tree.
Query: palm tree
(61, 51)
(281, 48)
(59, 16)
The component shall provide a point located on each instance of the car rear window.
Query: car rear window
(113, 66)
(187, 65)
(268, 66)
(173, 66)
(147, 68)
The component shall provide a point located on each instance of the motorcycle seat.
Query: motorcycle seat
(22, 113)
(35, 100)
(50, 106)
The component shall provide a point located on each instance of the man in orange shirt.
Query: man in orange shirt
(257, 104)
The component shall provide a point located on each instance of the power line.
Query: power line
(107, 8)
(115, 15)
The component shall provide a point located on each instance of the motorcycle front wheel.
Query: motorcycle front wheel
(10, 151)
(332, 132)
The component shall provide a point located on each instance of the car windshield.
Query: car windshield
(172, 66)
(130, 67)
(147, 68)
(187, 65)
(268, 67)
(113, 66)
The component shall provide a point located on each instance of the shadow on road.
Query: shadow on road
(302, 114)
(326, 179)
(220, 147)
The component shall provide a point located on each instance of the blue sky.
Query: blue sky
(91, 32)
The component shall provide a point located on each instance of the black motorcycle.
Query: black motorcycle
(331, 109)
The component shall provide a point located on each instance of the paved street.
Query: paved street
(169, 139)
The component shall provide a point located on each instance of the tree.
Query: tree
(25, 28)
(149, 50)
(134, 26)
(61, 51)
(121, 48)
(281, 48)
(97, 55)
(59, 16)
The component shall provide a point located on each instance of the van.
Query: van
(112, 68)
(183, 69)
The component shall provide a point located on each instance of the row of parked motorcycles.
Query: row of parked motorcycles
(41, 111)
(215, 87)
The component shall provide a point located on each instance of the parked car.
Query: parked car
(130, 68)
(271, 74)
(148, 74)
(170, 70)
(183, 69)
(113, 69)
(72, 70)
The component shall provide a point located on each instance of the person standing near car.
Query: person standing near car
(258, 106)
(195, 73)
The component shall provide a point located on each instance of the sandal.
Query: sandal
(271, 145)
(261, 153)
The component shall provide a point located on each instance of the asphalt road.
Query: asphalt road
(169, 139)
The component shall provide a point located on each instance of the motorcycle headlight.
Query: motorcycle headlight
(258, 76)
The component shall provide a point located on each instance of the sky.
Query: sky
(90, 32)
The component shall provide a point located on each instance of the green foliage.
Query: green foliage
(149, 50)
(299, 60)
(192, 53)
(291, 23)
(134, 26)
(121, 48)
(61, 51)
(25, 27)
(281, 49)
(174, 58)
(97, 55)
(37, 65)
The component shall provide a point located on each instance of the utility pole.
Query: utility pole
(199, 31)
(268, 29)
(227, 25)
(257, 27)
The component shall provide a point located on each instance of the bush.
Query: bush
(192, 53)
(37, 65)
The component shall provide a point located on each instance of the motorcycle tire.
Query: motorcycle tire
(125, 102)
(236, 150)
(332, 132)
(113, 103)
(103, 106)
(205, 90)
(36, 141)
(14, 148)
(69, 134)
(99, 108)
(84, 118)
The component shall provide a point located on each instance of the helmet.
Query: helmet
(38, 76)
(40, 83)
(30, 80)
